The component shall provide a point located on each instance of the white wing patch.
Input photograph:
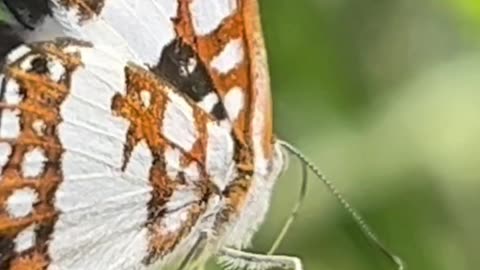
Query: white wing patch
(231, 55)
(25, 239)
(140, 162)
(152, 25)
(12, 92)
(179, 122)
(104, 208)
(10, 122)
(192, 172)
(27, 63)
(172, 161)
(137, 29)
(219, 154)
(234, 102)
(17, 53)
(20, 203)
(207, 14)
(5, 151)
(56, 69)
(33, 163)
(208, 102)
(146, 98)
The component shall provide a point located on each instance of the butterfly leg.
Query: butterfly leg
(193, 258)
(237, 259)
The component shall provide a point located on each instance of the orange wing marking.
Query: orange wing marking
(41, 98)
(144, 106)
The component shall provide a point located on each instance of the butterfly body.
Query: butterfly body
(140, 139)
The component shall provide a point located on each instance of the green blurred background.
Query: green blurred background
(384, 96)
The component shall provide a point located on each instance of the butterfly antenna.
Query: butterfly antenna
(294, 212)
(346, 205)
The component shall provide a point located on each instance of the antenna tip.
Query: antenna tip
(399, 262)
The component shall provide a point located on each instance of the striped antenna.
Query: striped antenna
(339, 197)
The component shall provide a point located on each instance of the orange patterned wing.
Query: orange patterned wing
(102, 162)
(233, 50)
(204, 48)
(148, 135)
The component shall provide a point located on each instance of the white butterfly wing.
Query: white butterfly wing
(102, 206)
(227, 40)
(138, 29)
(98, 208)
(91, 183)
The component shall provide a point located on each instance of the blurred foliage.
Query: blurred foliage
(384, 95)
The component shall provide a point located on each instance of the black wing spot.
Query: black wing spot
(39, 65)
(181, 66)
(219, 111)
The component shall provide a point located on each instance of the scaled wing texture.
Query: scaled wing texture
(130, 131)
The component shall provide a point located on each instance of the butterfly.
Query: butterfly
(136, 135)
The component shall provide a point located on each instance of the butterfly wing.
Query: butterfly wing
(232, 48)
(103, 164)
(210, 54)
(216, 42)
(213, 53)
(138, 29)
